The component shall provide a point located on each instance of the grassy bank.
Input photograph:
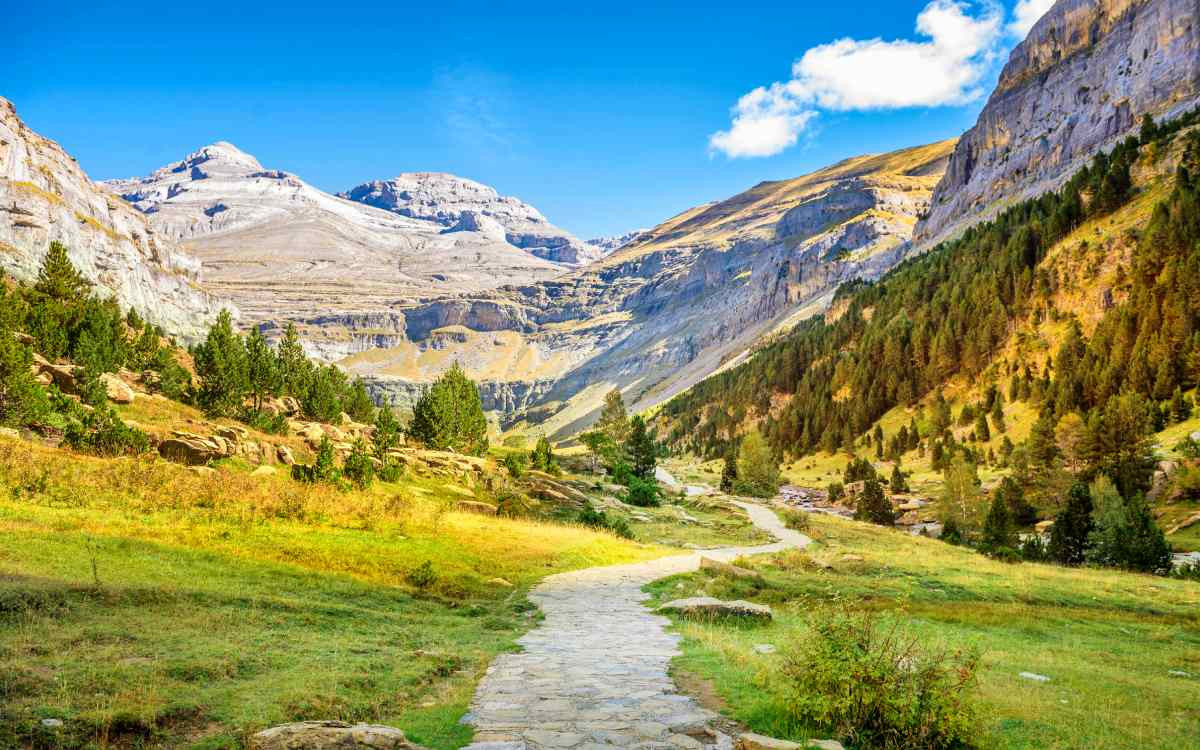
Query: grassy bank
(1108, 640)
(147, 606)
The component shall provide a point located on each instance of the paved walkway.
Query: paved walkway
(594, 673)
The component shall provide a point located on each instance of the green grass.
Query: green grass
(226, 604)
(1107, 639)
(717, 524)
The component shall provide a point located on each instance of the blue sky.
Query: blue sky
(605, 118)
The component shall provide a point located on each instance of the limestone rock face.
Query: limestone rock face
(674, 305)
(1082, 80)
(45, 197)
(331, 735)
(447, 199)
(284, 250)
(608, 245)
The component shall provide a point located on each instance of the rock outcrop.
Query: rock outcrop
(331, 735)
(45, 196)
(449, 200)
(282, 249)
(1083, 78)
(680, 302)
(608, 245)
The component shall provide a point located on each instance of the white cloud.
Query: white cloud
(1026, 14)
(850, 74)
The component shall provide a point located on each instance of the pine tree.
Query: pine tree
(1019, 509)
(542, 456)
(22, 400)
(1069, 534)
(387, 434)
(449, 415)
(358, 467)
(982, 433)
(729, 474)
(997, 414)
(262, 368)
(641, 450)
(897, 482)
(221, 365)
(999, 538)
(874, 506)
(294, 365)
(58, 278)
(358, 403)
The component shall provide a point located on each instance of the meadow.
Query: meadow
(145, 605)
(1122, 650)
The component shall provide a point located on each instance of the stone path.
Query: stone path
(594, 673)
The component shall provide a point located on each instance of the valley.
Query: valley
(900, 452)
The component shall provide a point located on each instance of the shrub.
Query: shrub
(757, 469)
(1033, 549)
(102, 433)
(516, 465)
(274, 424)
(796, 520)
(422, 576)
(1187, 571)
(642, 493)
(358, 467)
(876, 687)
(598, 519)
(391, 471)
(324, 469)
(836, 491)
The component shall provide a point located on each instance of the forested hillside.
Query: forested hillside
(950, 312)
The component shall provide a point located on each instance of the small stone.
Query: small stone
(1034, 677)
(263, 471)
(1179, 673)
(501, 582)
(52, 723)
(764, 648)
(204, 471)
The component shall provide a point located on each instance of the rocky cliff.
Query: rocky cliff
(1083, 78)
(45, 196)
(671, 307)
(455, 202)
(284, 249)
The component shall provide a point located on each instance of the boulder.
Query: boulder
(203, 471)
(730, 571)
(474, 506)
(751, 741)
(9, 432)
(284, 454)
(331, 735)
(63, 376)
(707, 606)
(188, 450)
(117, 390)
(263, 471)
(233, 433)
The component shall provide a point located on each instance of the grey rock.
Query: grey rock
(52, 723)
(45, 197)
(764, 648)
(1080, 81)
(708, 606)
(1034, 677)
(331, 735)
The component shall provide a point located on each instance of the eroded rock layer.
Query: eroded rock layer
(46, 197)
(1081, 80)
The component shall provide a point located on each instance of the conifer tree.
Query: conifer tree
(262, 368)
(897, 482)
(449, 415)
(221, 365)
(982, 433)
(22, 400)
(729, 473)
(387, 434)
(874, 505)
(294, 365)
(1069, 535)
(58, 278)
(997, 413)
(641, 450)
(542, 456)
(999, 538)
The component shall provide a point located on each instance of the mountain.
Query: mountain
(1079, 82)
(45, 196)
(282, 249)
(616, 242)
(664, 311)
(457, 202)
